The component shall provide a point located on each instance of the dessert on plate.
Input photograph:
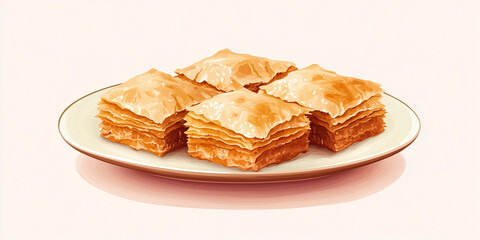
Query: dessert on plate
(228, 71)
(246, 130)
(345, 110)
(147, 111)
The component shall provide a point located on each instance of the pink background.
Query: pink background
(52, 53)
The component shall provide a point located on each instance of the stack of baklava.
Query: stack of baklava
(246, 130)
(242, 111)
(345, 110)
(147, 112)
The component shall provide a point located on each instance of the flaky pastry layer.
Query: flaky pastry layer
(356, 124)
(254, 151)
(248, 160)
(156, 95)
(124, 117)
(229, 71)
(360, 116)
(247, 113)
(144, 140)
(322, 90)
(140, 133)
(370, 105)
(342, 138)
(255, 87)
(199, 127)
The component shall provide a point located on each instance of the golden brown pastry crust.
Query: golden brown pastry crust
(344, 137)
(156, 95)
(144, 140)
(247, 113)
(246, 130)
(344, 109)
(360, 122)
(356, 124)
(248, 160)
(202, 128)
(124, 117)
(255, 87)
(202, 84)
(146, 112)
(372, 104)
(322, 90)
(228, 71)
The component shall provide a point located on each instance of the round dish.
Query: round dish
(79, 128)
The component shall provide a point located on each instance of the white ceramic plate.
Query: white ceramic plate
(79, 128)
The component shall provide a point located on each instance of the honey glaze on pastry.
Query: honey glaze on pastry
(228, 71)
(246, 130)
(345, 110)
(147, 111)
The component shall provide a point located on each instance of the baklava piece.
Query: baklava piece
(345, 109)
(246, 130)
(228, 71)
(147, 111)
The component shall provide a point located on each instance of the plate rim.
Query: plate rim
(244, 177)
